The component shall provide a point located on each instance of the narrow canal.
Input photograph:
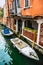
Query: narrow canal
(10, 55)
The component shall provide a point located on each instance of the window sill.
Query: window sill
(27, 7)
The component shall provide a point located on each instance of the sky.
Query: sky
(2, 2)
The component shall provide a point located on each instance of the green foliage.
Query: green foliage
(1, 13)
(29, 29)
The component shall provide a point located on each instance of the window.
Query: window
(18, 3)
(27, 3)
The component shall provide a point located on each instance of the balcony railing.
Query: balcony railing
(13, 11)
(19, 11)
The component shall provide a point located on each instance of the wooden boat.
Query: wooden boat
(24, 48)
(8, 34)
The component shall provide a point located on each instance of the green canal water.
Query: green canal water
(11, 56)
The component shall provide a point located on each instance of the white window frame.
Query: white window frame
(28, 4)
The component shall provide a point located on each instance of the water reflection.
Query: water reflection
(4, 56)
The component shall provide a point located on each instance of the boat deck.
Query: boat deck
(24, 48)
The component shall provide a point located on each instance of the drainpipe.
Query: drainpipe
(16, 7)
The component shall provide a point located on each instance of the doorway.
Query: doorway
(20, 25)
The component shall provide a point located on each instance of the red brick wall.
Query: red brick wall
(14, 27)
(41, 35)
(28, 34)
(12, 23)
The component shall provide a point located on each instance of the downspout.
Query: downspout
(16, 7)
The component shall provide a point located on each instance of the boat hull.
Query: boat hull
(11, 33)
(25, 49)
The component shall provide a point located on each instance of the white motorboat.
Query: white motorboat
(24, 48)
(8, 34)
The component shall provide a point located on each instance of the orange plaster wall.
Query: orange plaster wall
(36, 8)
(10, 4)
(6, 7)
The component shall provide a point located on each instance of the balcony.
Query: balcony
(14, 12)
